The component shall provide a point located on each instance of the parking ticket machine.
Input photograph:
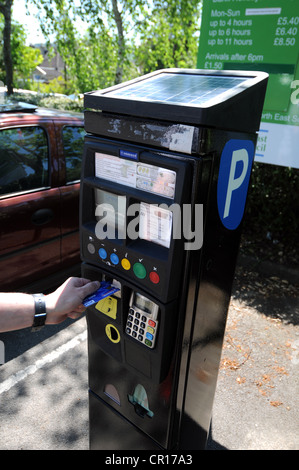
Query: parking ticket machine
(165, 174)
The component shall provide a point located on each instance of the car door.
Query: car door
(29, 205)
(70, 139)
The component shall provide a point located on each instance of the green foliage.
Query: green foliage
(94, 62)
(124, 38)
(56, 85)
(63, 103)
(273, 206)
(170, 38)
(25, 58)
(49, 101)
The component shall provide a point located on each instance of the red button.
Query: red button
(152, 323)
(154, 277)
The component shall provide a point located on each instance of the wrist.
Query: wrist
(50, 307)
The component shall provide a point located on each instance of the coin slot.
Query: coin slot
(112, 333)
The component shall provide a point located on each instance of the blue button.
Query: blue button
(149, 336)
(102, 253)
(114, 258)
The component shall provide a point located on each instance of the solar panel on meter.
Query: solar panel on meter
(187, 96)
(179, 88)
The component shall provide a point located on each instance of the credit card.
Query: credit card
(104, 290)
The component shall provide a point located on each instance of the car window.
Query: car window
(24, 159)
(73, 140)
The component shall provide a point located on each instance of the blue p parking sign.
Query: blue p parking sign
(233, 180)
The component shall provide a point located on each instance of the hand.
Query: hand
(66, 301)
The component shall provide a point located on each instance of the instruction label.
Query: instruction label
(155, 224)
(137, 175)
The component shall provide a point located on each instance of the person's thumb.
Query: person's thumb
(89, 288)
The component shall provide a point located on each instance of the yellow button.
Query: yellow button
(126, 264)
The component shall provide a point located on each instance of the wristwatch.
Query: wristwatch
(40, 312)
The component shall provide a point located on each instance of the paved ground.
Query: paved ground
(256, 402)
(43, 393)
(43, 383)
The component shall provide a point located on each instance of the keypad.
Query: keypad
(142, 328)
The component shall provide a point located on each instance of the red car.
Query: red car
(40, 165)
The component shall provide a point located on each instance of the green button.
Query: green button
(139, 270)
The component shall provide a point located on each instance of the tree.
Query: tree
(122, 38)
(169, 37)
(120, 19)
(150, 35)
(5, 9)
(96, 60)
(121, 41)
(90, 57)
(24, 58)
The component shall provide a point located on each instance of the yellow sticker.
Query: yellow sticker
(108, 306)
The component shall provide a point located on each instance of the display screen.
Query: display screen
(155, 224)
(111, 211)
(143, 303)
(137, 175)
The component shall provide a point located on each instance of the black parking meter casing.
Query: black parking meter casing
(178, 145)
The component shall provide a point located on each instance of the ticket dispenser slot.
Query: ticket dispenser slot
(139, 400)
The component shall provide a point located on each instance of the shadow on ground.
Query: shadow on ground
(270, 291)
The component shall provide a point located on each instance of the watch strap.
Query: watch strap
(40, 312)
